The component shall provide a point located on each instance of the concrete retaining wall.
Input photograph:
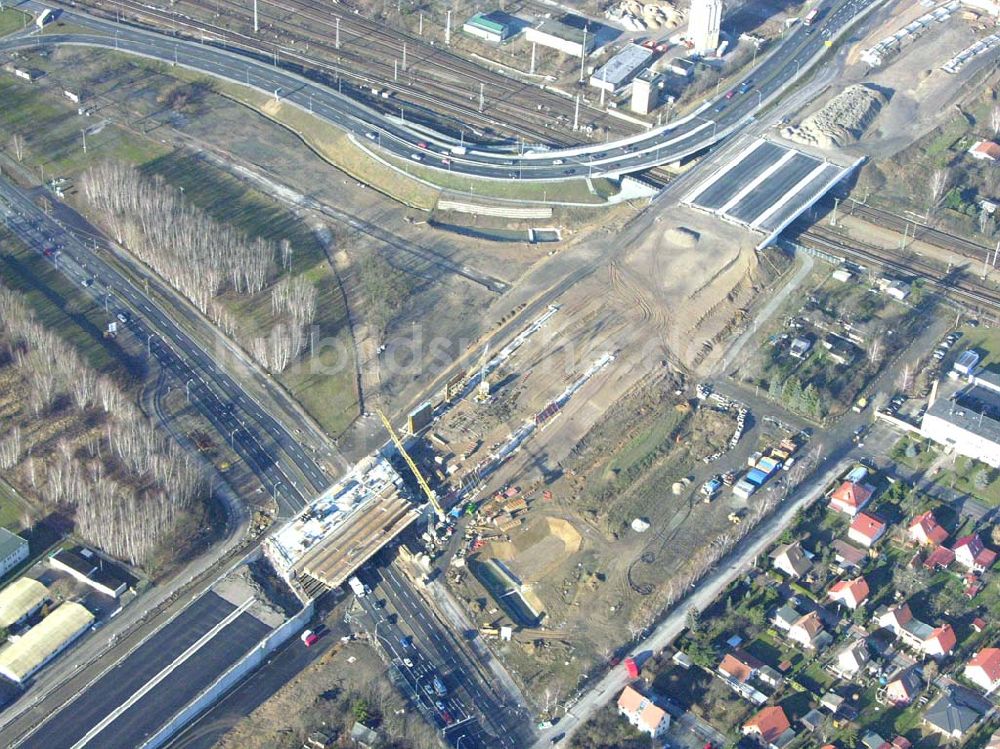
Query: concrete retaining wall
(503, 211)
(211, 694)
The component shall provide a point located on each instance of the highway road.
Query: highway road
(279, 461)
(715, 120)
(475, 714)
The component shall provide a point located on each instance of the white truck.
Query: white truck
(357, 586)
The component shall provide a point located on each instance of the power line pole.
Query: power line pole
(482, 96)
(256, 19)
(420, 26)
(84, 131)
(404, 57)
(583, 53)
(337, 41)
(576, 114)
(447, 29)
(532, 69)
(395, 70)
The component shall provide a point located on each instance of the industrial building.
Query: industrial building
(19, 600)
(704, 23)
(562, 37)
(621, 68)
(645, 93)
(968, 422)
(20, 660)
(493, 26)
(90, 569)
(13, 551)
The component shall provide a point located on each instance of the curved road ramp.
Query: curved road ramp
(175, 674)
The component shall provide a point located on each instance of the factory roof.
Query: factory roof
(10, 542)
(19, 599)
(28, 653)
(620, 68)
(493, 21)
(975, 409)
(561, 30)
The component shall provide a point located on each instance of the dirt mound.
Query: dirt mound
(543, 545)
(681, 237)
(842, 121)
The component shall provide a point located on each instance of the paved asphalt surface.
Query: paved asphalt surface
(475, 715)
(77, 717)
(674, 141)
(262, 441)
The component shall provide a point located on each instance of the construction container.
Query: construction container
(632, 668)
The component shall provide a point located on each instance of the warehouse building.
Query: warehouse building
(90, 569)
(20, 660)
(493, 26)
(13, 551)
(968, 423)
(562, 37)
(622, 68)
(19, 600)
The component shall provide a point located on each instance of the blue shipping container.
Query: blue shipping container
(756, 476)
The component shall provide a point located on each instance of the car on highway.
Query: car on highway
(731, 93)
(87, 282)
(422, 144)
(406, 641)
(408, 663)
(123, 317)
(370, 135)
(439, 686)
(720, 106)
(557, 162)
(557, 738)
(746, 86)
(446, 161)
(569, 171)
(309, 638)
(416, 157)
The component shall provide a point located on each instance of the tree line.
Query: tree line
(128, 487)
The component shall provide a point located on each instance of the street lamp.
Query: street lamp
(187, 388)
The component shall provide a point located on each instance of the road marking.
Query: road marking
(151, 684)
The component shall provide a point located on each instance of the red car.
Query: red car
(731, 94)
(446, 717)
(421, 144)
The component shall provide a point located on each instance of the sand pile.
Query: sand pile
(842, 121)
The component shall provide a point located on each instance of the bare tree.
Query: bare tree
(995, 120)
(940, 181)
(17, 143)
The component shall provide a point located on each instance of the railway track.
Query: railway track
(957, 283)
(433, 80)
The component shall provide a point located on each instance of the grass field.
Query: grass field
(324, 384)
(12, 20)
(53, 138)
(11, 508)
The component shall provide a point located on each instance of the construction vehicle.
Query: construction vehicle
(430, 494)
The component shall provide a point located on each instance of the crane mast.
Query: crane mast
(431, 496)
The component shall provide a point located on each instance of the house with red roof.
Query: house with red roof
(971, 554)
(985, 150)
(901, 690)
(739, 666)
(770, 727)
(925, 530)
(939, 559)
(851, 497)
(932, 641)
(642, 713)
(866, 529)
(941, 641)
(983, 669)
(851, 593)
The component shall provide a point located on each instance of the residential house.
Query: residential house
(925, 530)
(971, 554)
(642, 713)
(770, 727)
(770, 676)
(808, 631)
(903, 688)
(784, 617)
(983, 669)
(740, 666)
(851, 593)
(932, 641)
(994, 742)
(851, 497)
(363, 736)
(939, 559)
(872, 740)
(848, 556)
(941, 642)
(853, 658)
(955, 713)
(812, 720)
(985, 150)
(866, 529)
(832, 702)
(790, 559)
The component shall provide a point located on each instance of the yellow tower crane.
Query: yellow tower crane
(431, 496)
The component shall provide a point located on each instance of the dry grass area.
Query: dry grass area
(327, 696)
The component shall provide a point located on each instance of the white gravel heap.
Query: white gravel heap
(842, 121)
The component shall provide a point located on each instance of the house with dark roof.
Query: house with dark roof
(91, 569)
(853, 658)
(847, 556)
(903, 688)
(791, 559)
(955, 713)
